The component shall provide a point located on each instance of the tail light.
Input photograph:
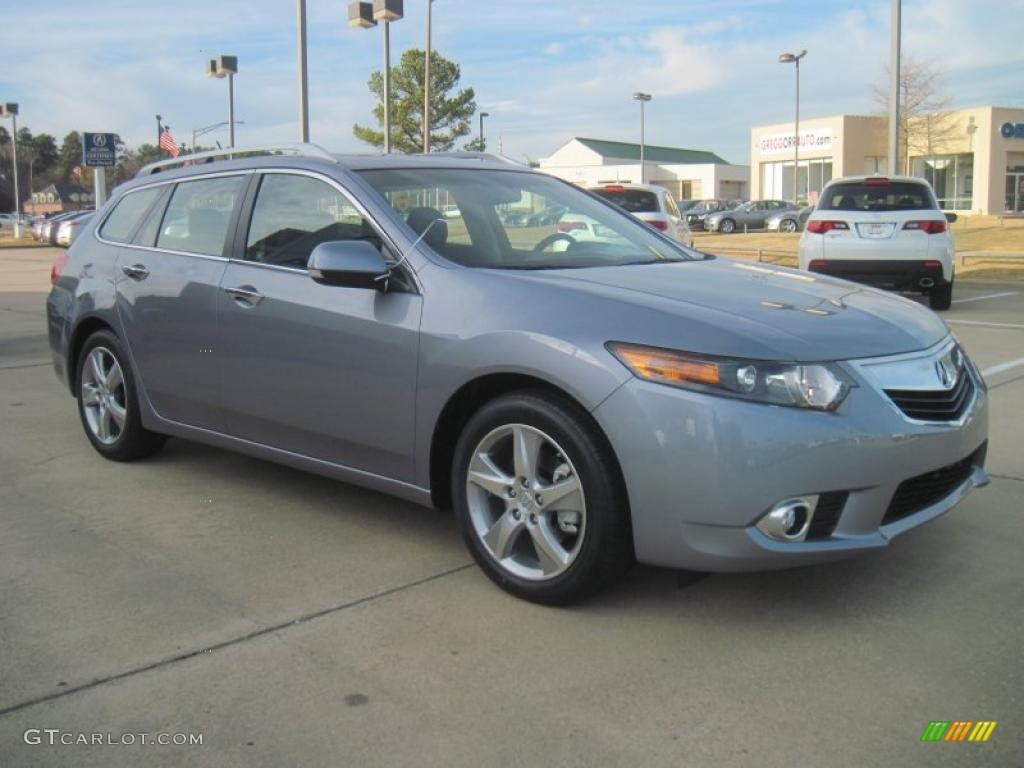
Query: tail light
(877, 181)
(658, 224)
(821, 227)
(58, 266)
(932, 264)
(614, 188)
(817, 264)
(570, 226)
(928, 226)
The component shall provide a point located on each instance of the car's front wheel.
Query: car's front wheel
(108, 401)
(540, 500)
(727, 226)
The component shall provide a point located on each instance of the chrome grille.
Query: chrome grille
(936, 404)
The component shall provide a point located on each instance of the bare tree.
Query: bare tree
(927, 123)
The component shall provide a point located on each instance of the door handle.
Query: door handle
(245, 295)
(136, 271)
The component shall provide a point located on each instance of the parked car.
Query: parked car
(751, 215)
(886, 232)
(652, 204)
(579, 409)
(685, 205)
(789, 221)
(7, 221)
(696, 215)
(546, 216)
(53, 230)
(70, 227)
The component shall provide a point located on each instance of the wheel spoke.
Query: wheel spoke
(103, 424)
(486, 474)
(90, 394)
(114, 378)
(525, 452)
(117, 412)
(562, 495)
(501, 536)
(96, 363)
(549, 551)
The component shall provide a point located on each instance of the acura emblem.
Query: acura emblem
(946, 371)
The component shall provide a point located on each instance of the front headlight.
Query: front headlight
(821, 386)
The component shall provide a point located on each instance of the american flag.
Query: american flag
(168, 144)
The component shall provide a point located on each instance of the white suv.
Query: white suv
(882, 231)
(650, 203)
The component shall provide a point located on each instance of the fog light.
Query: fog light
(789, 520)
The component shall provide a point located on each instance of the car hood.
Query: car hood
(744, 309)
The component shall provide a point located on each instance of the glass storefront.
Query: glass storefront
(777, 179)
(1015, 189)
(952, 178)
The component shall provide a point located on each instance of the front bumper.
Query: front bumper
(702, 470)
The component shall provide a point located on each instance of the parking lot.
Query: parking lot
(294, 620)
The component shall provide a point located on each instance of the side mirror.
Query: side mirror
(951, 217)
(348, 263)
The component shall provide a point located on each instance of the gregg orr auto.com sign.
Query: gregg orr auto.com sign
(782, 143)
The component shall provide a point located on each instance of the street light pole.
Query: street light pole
(426, 84)
(894, 88)
(10, 109)
(643, 98)
(231, 109)
(303, 77)
(366, 15)
(794, 58)
(482, 116)
(159, 130)
(387, 87)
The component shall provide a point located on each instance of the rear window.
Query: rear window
(878, 196)
(127, 213)
(633, 200)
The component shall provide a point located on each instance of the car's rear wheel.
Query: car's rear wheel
(108, 401)
(787, 225)
(727, 226)
(941, 296)
(540, 500)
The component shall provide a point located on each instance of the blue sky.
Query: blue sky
(545, 70)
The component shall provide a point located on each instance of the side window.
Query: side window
(198, 214)
(146, 236)
(294, 214)
(126, 215)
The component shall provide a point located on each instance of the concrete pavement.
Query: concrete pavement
(293, 620)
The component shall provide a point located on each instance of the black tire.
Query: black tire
(132, 441)
(727, 226)
(606, 550)
(787, 225)
(940, 297)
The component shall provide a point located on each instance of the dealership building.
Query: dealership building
(973, 158)
(687, 173)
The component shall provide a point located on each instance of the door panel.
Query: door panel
(170, 320)
(168, 300)
(319, 370)
(322, 371)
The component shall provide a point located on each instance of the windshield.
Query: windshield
(632, 200)
(878, 195)
(518, 220)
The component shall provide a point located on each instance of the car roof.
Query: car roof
(866, 177)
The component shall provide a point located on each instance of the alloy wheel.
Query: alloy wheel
(104, 401)
(526, 502)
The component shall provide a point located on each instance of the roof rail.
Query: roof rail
(303, 150)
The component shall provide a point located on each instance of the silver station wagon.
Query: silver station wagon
(579, 404)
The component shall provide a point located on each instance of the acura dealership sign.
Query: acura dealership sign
(1012, 130)
(811, 140)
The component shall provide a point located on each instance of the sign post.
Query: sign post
(99, 151)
